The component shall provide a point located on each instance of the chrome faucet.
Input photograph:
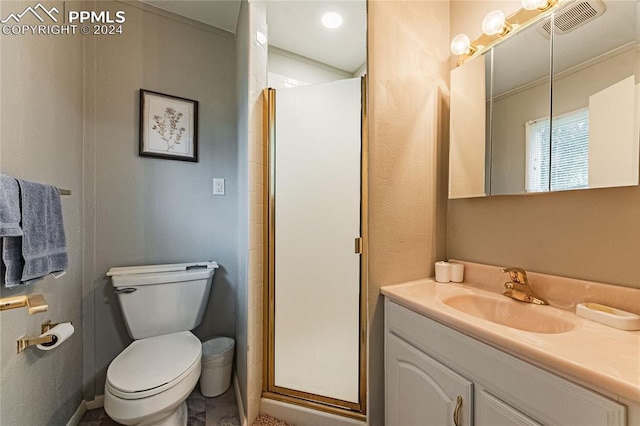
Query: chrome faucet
(518, 288)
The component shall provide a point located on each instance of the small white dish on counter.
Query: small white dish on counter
(607, 315)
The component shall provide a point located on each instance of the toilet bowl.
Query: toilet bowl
(149, 381)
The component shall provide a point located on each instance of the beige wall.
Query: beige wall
(589, 234)
(408, 74)
(41, 140)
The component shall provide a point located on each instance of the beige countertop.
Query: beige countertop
(591, 353)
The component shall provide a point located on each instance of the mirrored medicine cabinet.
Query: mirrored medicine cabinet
(550, 110)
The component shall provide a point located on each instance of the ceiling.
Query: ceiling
(294, 26)
(221, 14)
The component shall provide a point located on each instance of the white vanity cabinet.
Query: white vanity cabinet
(428, 365)
(419, 388)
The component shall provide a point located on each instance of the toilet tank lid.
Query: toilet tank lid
(151, 269)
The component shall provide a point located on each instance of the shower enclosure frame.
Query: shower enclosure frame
(270, 390)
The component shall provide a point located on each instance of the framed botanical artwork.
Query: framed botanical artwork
(168, 126)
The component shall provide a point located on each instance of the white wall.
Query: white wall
(285, 66)
(251, 74)
(257, 129)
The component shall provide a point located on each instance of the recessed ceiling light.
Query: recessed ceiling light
(291, 82)
(332, 20)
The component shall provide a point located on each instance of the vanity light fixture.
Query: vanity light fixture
(537, 4)
(332, 20)
(496, 26)
(461, 45)
(495, 23)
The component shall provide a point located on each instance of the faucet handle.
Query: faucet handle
(523, 293)
(517, 275)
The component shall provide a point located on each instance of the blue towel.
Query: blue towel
(9, 207)
(12, 261)
(42, 248)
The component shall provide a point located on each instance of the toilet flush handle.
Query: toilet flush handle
(125, 290)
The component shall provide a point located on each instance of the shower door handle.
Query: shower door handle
(358, 245)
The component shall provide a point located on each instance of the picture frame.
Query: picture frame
(168, 127)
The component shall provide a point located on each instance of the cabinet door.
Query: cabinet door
(491, 411)
(422, 391)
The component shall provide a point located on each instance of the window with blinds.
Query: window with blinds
(564, 164)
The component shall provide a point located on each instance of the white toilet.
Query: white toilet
(148, 383)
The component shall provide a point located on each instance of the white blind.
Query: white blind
(565, 163)
(537, 150)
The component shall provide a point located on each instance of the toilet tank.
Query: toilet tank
(162, 299)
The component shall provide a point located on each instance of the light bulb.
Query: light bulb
(460, 44)
(332, 20)
(534, 4)
(494, 22)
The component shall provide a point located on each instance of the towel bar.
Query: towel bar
(34, 302)
(64, 191)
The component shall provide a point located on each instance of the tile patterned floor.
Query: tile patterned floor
(219, 411)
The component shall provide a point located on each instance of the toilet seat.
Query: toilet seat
(150, 366)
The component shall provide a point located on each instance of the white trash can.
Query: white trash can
(217, 360)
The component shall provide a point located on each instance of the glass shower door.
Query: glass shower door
(315, 267)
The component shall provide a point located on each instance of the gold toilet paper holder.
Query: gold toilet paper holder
(26, 341)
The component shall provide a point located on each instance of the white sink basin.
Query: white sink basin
(510, 313)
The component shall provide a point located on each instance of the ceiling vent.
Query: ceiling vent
(571, 17)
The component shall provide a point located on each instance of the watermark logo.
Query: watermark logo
(16, 17)
(73, 22)
(93, 17)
